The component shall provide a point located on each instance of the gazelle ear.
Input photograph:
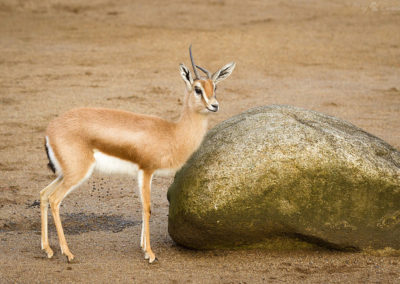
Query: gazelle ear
(186, 76)
(223, 73)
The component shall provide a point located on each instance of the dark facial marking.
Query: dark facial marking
(197, 90)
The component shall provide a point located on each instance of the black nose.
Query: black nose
(215, 106)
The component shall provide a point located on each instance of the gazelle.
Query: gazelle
(115, 141)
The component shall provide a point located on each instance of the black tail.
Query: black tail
(50, 165)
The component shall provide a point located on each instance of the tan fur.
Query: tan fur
(208, 87)
(151, 142)
(148, 141)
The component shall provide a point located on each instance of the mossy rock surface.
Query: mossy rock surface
(280, 172)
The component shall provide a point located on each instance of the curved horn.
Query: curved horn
(193, 65)
(205, 71)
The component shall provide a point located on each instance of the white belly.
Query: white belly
(113, 165)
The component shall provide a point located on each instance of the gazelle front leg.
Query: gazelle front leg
(144, 180)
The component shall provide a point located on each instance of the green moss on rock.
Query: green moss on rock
(279, 172)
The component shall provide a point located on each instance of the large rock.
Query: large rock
(280, 172)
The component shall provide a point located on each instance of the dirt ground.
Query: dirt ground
(338, 57)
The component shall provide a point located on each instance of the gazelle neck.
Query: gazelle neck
(190, 129)
(191, 120)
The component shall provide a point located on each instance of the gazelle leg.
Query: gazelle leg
(55, 200)
(145, 190)
(44, 206)
(140, 185)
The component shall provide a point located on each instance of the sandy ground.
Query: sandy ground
(338, 57)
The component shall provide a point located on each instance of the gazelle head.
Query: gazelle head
(201, 90)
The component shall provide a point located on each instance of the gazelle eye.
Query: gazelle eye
(197, 90)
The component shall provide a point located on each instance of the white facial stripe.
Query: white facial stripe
(205, 98)
(203, 93)
(198, 85)
(210, 103)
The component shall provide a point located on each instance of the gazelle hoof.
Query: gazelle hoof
(49, 252)
(153, 261)
(69, 255)
(70, 259)
(151, 257)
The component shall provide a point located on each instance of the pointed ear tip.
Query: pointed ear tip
(230, 65)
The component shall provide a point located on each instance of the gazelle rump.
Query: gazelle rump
(115, 141)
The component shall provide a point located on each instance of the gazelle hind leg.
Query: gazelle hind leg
(55, 200)
(144, 179)
(44, 206)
